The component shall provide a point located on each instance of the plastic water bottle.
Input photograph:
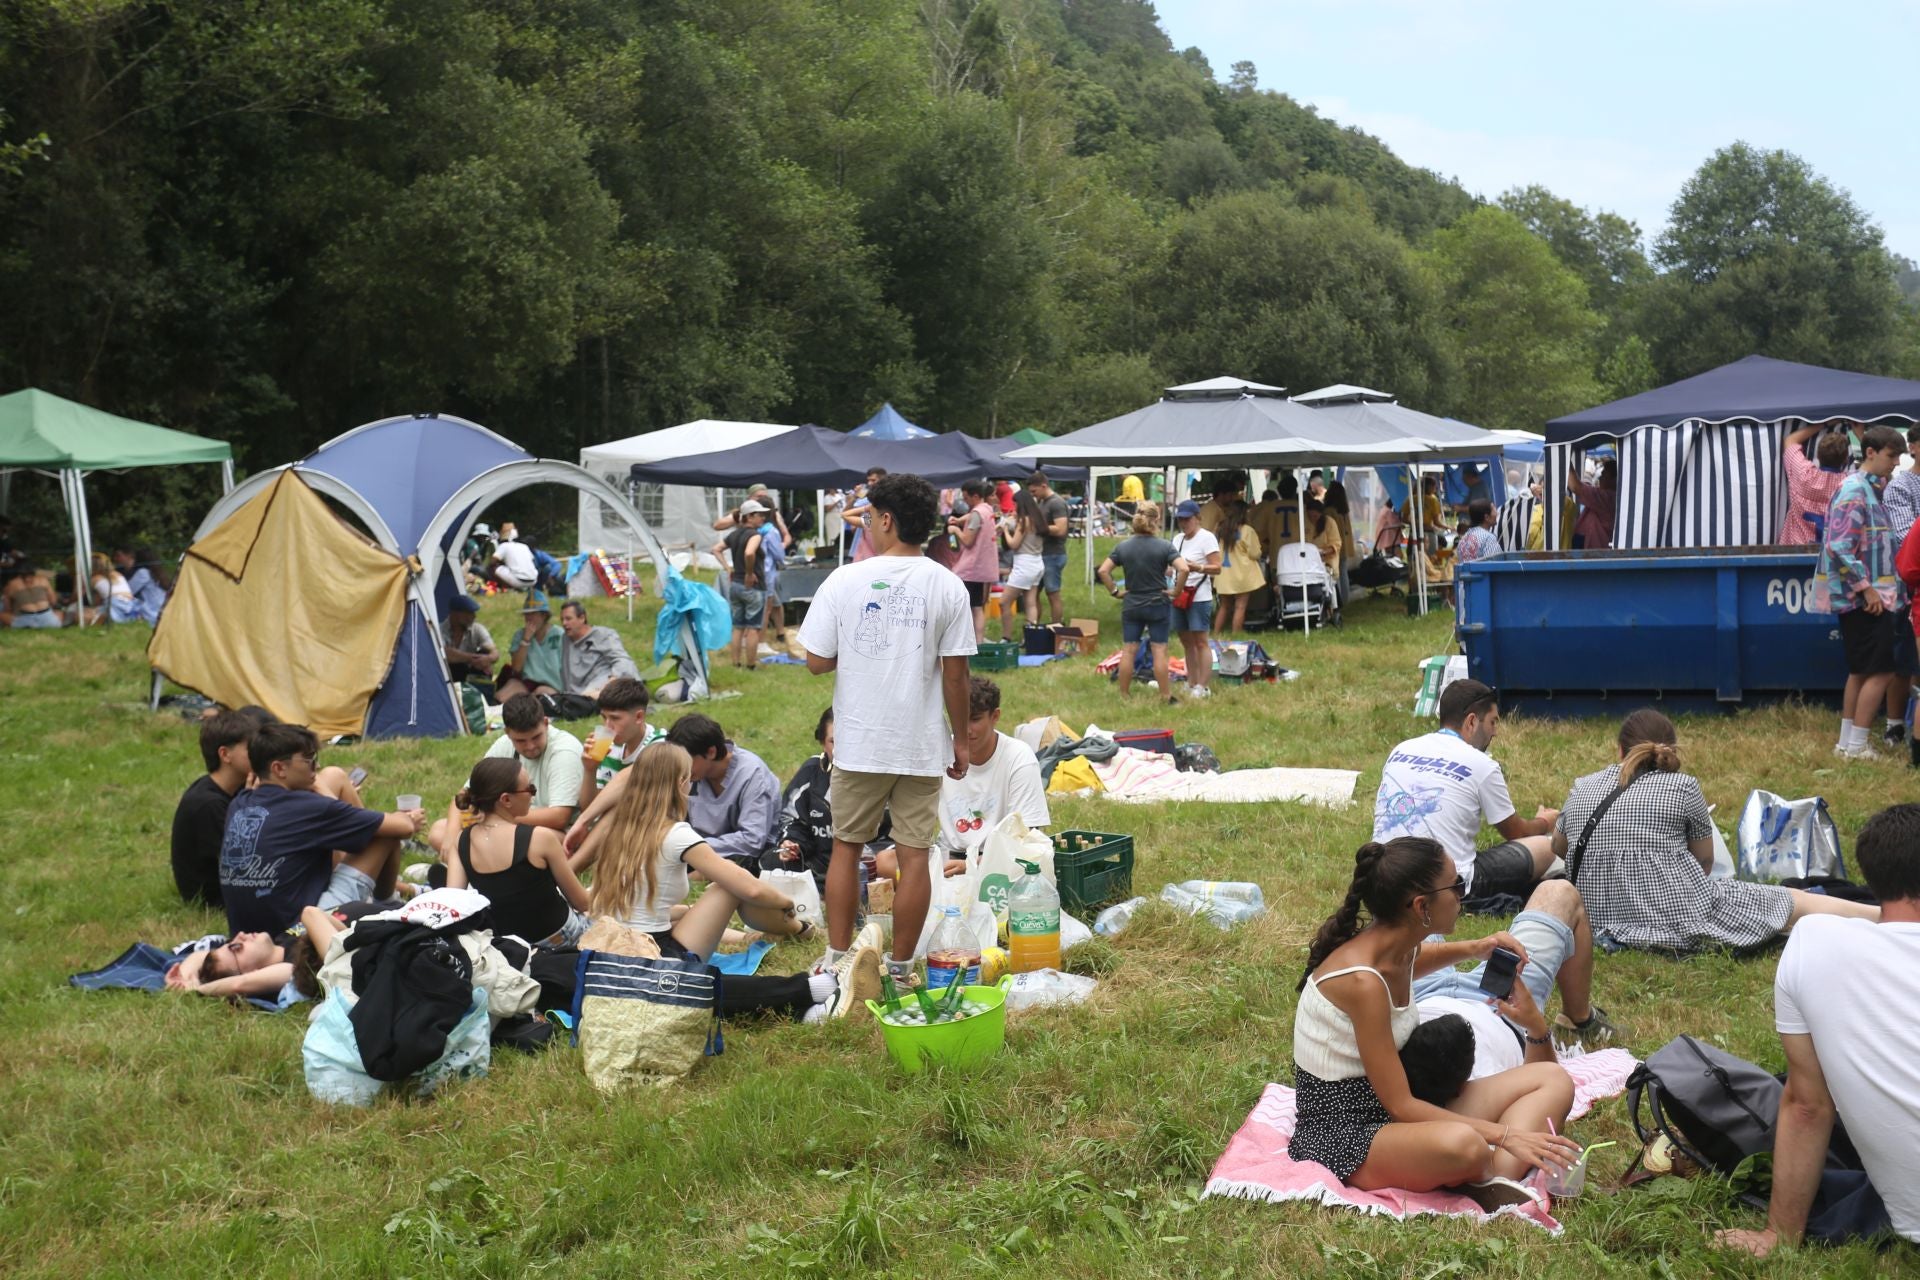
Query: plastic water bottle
(952, 950)
(1033, 922)
(1115, 918)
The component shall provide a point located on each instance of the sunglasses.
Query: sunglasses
(1458, 889)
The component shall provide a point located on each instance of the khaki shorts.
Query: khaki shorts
(860, 800)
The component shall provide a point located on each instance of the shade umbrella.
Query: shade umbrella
(40, 431)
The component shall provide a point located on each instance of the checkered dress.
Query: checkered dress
(1643, 887)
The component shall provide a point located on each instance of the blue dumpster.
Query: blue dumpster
(1580, 632)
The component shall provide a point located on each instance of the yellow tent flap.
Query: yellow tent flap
(286, 606)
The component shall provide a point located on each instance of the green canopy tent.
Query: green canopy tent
(43, 433)
(1030, 435)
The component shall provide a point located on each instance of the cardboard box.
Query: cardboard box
(1088, 627)
(1069, 642)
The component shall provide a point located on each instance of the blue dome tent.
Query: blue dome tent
(418, 483)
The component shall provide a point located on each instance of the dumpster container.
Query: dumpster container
(1579, 632)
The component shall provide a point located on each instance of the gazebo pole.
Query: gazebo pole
(226, 476)
(1300, 498)
(1416, 505)
(73, 488)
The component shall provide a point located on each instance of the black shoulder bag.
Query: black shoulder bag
(1599, 811)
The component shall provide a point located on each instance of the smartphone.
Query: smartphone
(358, 775)
(1497, 978)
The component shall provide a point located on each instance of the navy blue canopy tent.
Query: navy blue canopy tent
(889, 425)
(817, 458)
(1700, 459)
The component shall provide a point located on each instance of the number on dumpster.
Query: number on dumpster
(1792, 594)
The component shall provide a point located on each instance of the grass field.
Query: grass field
(148, 1135)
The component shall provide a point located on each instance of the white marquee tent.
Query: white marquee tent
(681, 515)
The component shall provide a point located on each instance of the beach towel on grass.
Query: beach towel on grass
(1157, 784)
(1255, 1165)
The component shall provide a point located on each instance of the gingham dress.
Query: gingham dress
(1642, 886)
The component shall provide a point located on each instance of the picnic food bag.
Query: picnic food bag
(999, 863)
(644, 1021)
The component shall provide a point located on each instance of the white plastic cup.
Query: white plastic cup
(1569, 1184)
(407, 803)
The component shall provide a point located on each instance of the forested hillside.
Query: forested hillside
(269, 220)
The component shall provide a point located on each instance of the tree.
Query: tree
(1603, 249)
(1519, 319)
(1762, 255)
(1258, 287)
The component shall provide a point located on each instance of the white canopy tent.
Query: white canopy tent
(681, 516)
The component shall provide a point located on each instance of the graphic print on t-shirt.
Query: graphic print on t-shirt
(1405, 810)
(241, 869)
(888, 609)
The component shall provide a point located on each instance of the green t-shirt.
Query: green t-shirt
(541, 661)
(616, 760)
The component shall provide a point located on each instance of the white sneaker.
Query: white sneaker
(856, 981)
(1862, 752)
(1153, 684)
(1202, 691)
(1840, 749)
(1496, 1193)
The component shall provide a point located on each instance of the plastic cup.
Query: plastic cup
(407, 803)
(1569, 1184)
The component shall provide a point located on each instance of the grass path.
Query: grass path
(165, 1136)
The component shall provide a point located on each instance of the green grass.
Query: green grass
(170, 1136)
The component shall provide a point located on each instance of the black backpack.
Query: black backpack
(1715, 1108)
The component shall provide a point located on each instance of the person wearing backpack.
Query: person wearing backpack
(1844, 999)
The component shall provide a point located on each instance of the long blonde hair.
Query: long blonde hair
(655, 798)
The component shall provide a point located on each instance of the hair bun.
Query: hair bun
(464, 800)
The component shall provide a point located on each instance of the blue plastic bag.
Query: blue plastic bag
(695, 602)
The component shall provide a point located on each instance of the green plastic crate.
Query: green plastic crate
(996, 655)
(1094, 876)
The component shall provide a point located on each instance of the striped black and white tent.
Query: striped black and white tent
(1700, 460)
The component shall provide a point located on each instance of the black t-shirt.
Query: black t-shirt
(199, 827)
(278, 853)
(1054, 508)
(737, 540)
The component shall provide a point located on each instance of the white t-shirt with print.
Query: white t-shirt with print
(1007, 783)
(889, 621)
(1195, 550)
(1853, 986)
(670, 882)
(517, 559)
(1441, 787)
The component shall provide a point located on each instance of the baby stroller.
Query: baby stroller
(1303, 593)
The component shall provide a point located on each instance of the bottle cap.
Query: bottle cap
(1031, 868)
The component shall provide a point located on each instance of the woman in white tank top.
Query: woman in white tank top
(1355, 1113)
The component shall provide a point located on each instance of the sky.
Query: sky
(1610, 106)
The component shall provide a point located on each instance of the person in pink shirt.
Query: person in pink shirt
(1811, 487)
(1594, 529)
(978, 561)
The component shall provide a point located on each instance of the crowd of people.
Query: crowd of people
(127, 585)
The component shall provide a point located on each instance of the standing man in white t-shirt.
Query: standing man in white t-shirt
(1003, 777)
(1201, 550)
(896, 630)
(1844, 998)
(1443, 785)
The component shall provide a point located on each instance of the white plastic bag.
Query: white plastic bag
(1073, 932)
(1722, 858)
(998, 865)
(800, 886)
(1788, 839)
(1225, 902)
(1047, 986)
(956, 891)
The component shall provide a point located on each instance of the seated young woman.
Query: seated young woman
(643, 857)
(1356, 1114)
(522, 870)
(1644, 869)
(260, 964)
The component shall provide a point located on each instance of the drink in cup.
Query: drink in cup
(599, 742)
(407, 804)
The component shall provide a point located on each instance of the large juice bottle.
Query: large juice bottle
(1033, 922)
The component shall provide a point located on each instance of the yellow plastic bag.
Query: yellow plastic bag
(1074, 774)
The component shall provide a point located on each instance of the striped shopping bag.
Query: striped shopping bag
(643, 1020)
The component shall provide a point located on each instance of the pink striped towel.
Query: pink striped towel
(1255, 1165)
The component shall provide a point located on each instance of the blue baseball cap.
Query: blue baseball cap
(1187, 510)
(463, 604)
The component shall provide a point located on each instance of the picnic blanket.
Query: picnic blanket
(1133, 776)
(1256, 1166)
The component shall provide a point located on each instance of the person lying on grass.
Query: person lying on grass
(1357, 1115)
(644, 856)
(259, 964)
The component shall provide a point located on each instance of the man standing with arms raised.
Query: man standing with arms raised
(896, 630)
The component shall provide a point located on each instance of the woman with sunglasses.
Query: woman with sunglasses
(521, 870)
(1356, 1114)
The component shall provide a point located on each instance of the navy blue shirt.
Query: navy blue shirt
(278, 853)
